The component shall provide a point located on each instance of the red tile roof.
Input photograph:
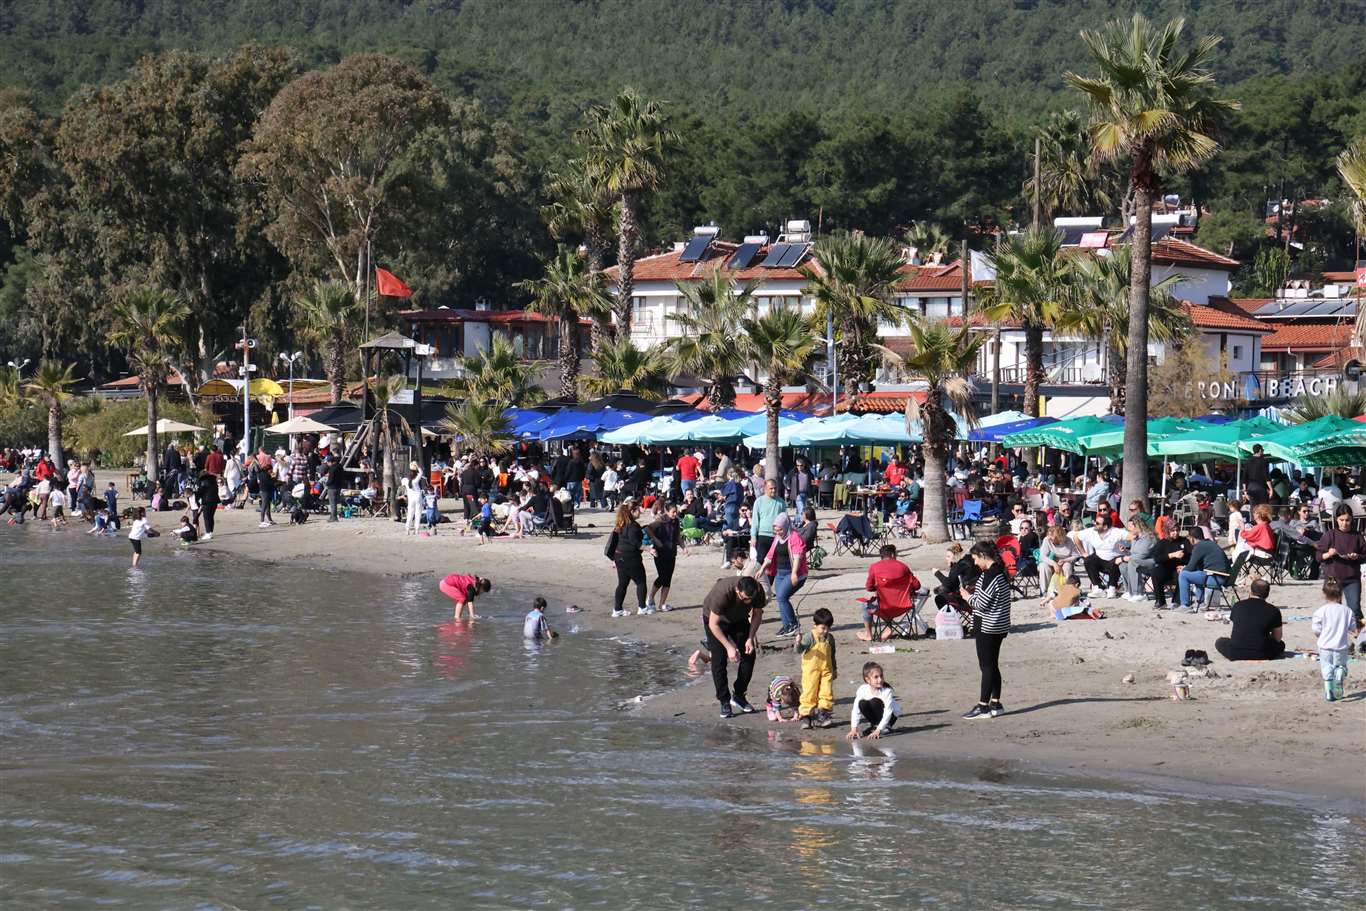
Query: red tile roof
(945, 278)
(1226, 317)
(497, 317)
(1318, 337)
(1172, 252)
(665, 267)
(1248, 305)
(889, 402)
(1339, 276)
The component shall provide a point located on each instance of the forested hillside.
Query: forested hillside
(857, 114)
(732, 58)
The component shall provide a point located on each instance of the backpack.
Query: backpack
(783, 696)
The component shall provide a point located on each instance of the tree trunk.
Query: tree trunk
(1135, 483)
(1033, 338)
(152, 441)
(1116, 376)
(595, 241)
(773, 403)
(54, 436)
(569, 361)
(626, 262)
(934, 522)
(336, 367)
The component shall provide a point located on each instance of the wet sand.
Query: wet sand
(1261, 725)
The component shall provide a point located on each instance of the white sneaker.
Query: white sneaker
(647, 609)
(1111, 593)
(666, 607)
(265, 525)
(650, 606)
(208, 536)
(616, 614)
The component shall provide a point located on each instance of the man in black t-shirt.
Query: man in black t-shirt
(1256, 487)
(732, 612)
(1256, 633)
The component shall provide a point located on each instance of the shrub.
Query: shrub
(97, 431)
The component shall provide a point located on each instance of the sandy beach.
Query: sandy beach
(1262, 725)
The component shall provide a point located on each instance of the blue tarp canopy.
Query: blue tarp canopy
(994, 433)
(581, 425)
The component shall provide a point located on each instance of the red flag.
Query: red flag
(388, 284)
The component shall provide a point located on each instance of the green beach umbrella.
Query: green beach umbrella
(1294, 444)
(1110, 442)
(1208, 442)
(1065, 435)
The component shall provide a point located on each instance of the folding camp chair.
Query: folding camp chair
(1023, 584)
(898, 609)
(1225, 594)
(971, 512)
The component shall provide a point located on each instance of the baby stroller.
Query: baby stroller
(561, 518)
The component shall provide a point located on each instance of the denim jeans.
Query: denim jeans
(1329, 660)
(783, 590)
(1351, 596)
(1197, 579)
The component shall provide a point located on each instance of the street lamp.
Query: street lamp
(19, 368)
(245, 345)
(290, 359)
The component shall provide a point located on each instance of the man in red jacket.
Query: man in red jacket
(887, 572)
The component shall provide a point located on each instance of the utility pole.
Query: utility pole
(246, 344)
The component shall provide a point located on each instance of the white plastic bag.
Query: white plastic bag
(947, 624)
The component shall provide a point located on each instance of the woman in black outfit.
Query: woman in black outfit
(991, 617)
(624, 549)
(664, 535)
(1169, 554)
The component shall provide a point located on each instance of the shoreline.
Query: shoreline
(1068, 709)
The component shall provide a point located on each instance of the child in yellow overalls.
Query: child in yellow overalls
(819, 667)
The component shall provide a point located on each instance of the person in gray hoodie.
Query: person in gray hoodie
(1142, 540)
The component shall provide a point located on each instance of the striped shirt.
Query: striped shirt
(991, 601)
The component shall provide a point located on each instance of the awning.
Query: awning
(233, 388)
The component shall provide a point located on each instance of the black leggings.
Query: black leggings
(1162, 574)
(664, 570)
(627, 572)
(210, 507)
(989, 659)
(870, 710)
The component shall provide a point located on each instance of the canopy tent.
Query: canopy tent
(1110, 443)
(1215, 418)
(229, 388)
(626, 401)
(165, 425)
(1208, 442)
(735, 430)
(801, 433)
(1294, 444)
(994, 433)
(301, 424)
(582, 425)
(1064, 435)
(644, 432)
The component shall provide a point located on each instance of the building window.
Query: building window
(1237, 352)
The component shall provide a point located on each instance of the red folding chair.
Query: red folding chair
(898, 609)
(1026, 585)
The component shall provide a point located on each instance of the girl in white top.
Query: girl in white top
(56, 501)
(874, 705)
(140, 530)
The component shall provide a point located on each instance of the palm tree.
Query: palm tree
(327, 315)
(482, 429)
(1341, 404)
(622, 367)
(11, 395)
(627, 143)
(1070, 182)
(945, 358)
(580, 207)
(567, 292)
(1352, 168)
(1032, 276)
(497, 376)
(856, 289)
(711, 346)
(1097, 308)
(147, 326)
(782, 342)
(928, 238)
(1150, 109)
(50, 386)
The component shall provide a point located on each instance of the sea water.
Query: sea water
(211, 733)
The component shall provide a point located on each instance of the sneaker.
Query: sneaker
(727, 711)
(666, 607)
(740, 705)
(265, 525)
(616, 614)
(650, 607)
(207, 536)
(647, 609)
(826, 719)
(1133, 598)
(784, 631)
(807, 724)
(997, 710)
(1329, 691)
(978, 711)
(1111, 593)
